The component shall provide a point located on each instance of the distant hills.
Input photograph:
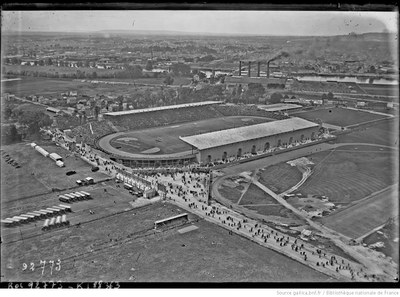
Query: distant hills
(366, 36)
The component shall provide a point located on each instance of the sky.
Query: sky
(227, 22)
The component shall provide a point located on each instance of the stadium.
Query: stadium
(194, 133)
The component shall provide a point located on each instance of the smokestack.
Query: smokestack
(248, 74)
(240, 68)
(258, 69)
(268, 69)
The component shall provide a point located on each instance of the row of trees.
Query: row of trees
(27, 115)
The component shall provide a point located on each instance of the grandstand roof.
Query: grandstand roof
(126, 112)
(279, 107)
(235, 135)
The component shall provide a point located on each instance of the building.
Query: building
(236, 142)
(280, 107)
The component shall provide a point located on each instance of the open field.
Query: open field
(232, 194)
(39, 174)
(389, 235)
(341, 117)
(381, 90)
(280, 177)
(106, 201)
(90, 253)
(42, 86)
(170, 143)
(60, 70)
(151, 81)
(345, 176)
(366, 215)
(274, 210)
(254, 195)
(384, 133)
(54, 87)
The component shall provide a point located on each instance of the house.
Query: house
(71, 100)
(305, 234)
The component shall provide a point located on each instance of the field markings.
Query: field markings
(267, 204)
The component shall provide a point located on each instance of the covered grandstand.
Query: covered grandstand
(233, 143)
(161, 108)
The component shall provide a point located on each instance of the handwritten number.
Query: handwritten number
(44, 265)
(51, 267)
(59, 265)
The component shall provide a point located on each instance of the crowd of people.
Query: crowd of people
(167, 117)
(191, 190)
(90, 132)
(180, 190)
(325, 87)
(247, 110)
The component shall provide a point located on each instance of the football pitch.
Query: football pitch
(341, 117)
(165, 140)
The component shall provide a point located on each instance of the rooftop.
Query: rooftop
(235, 135)
(278, 107)
(135, 111)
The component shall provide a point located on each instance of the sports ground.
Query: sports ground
(350, 173)
(359, 219)
(38, 174)
(341, 117)
(165, 140)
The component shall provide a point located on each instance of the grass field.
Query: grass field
(339, 116)
(151, 81)
(138, 254)
(54, 87)
(280, 177)
(384, 133)
(274, 210)
(381, 90)
(389, 235)
(366, 215)
(43, 86)
(346, 176)
(170, 142)
(254, 195)
(232, 194)
(20, 183)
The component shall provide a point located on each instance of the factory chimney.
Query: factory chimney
(258, 69)
(248, 74)
(240, 68)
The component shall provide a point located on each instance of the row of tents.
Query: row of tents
(36, 215)
(75, 196)
(55, 222)
(55, 157)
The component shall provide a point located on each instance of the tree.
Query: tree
(9, 134)
(94, 74)
(372, 69)
(202, 75)
(149, 65)
(32, 117)
(180, 69)
(329, 96)
(276, 98)
(168, 80)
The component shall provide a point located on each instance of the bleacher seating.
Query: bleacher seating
(312, 86)
(160, 118)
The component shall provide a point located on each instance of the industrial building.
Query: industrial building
(236, 142)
